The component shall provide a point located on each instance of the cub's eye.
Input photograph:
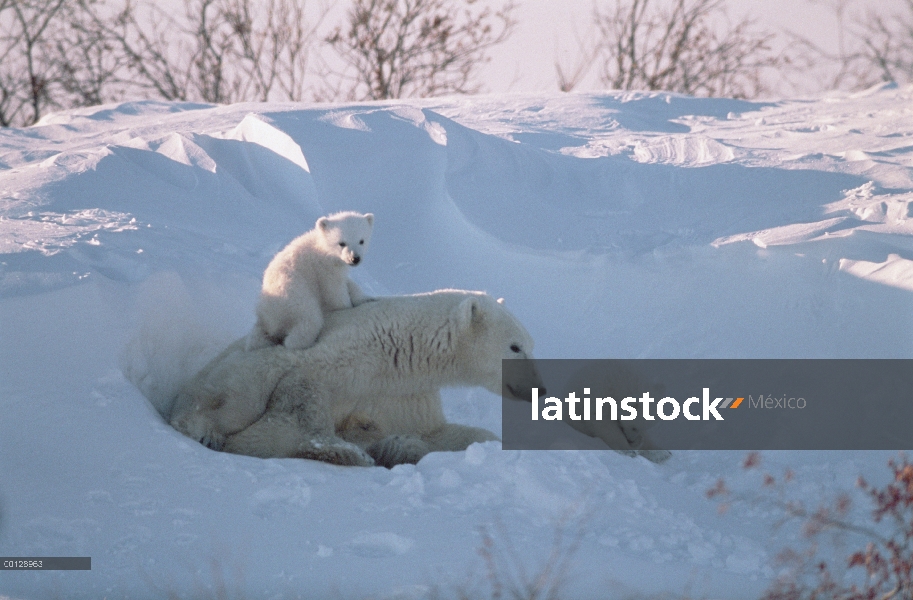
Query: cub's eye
(342, 244)
(515, 348)
(361, 242)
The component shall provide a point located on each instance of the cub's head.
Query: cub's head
(346, 235)
(490, 335)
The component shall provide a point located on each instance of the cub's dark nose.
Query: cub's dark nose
(356, 260)
(543, 391)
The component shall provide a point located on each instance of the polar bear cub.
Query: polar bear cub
(310, 278)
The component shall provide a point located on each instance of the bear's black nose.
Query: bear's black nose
(356, 260)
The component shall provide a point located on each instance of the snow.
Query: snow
(630, 225)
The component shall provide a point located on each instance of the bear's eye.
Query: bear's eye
(342, 244)
(515, 348)
(361, 243)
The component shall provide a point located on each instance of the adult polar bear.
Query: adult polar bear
(371, 383)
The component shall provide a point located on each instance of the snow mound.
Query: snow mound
(177, 335)
(133, 239)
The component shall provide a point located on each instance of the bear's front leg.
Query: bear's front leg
(453, 437)
(643, 446)
(409, 449)
(398, 450)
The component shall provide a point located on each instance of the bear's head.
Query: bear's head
(495, 335)
(346, 234)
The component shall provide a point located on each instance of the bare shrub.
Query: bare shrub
(65, 53)
(506, 575)
(884, 567)
(569, 77)
(219, 51)
(510, 578)
(888, 43)
(86, 63)
(409, 48)
(872, 46)
(690, 47)
(27, 77)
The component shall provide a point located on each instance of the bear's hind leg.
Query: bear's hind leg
(281, 436)
(305, 332)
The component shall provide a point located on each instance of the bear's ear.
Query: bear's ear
(500, 300)
(469, 312)
(322, 223)
(370, 219)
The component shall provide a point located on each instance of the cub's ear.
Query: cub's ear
(469, 311)
(322, 223)
(500, 300)
(370, 219)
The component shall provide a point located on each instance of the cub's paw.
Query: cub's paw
(258, 339)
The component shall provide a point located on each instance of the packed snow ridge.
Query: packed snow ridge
(133, 239)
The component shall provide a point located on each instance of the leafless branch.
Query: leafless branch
(872, 46)
(65, 53)
(25, 78)
(690, 47)
(400, 48)
(570, 78)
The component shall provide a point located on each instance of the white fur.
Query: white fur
(373, 378)
(626, 437)
(309, 279)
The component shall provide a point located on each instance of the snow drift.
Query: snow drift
(133, 238)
